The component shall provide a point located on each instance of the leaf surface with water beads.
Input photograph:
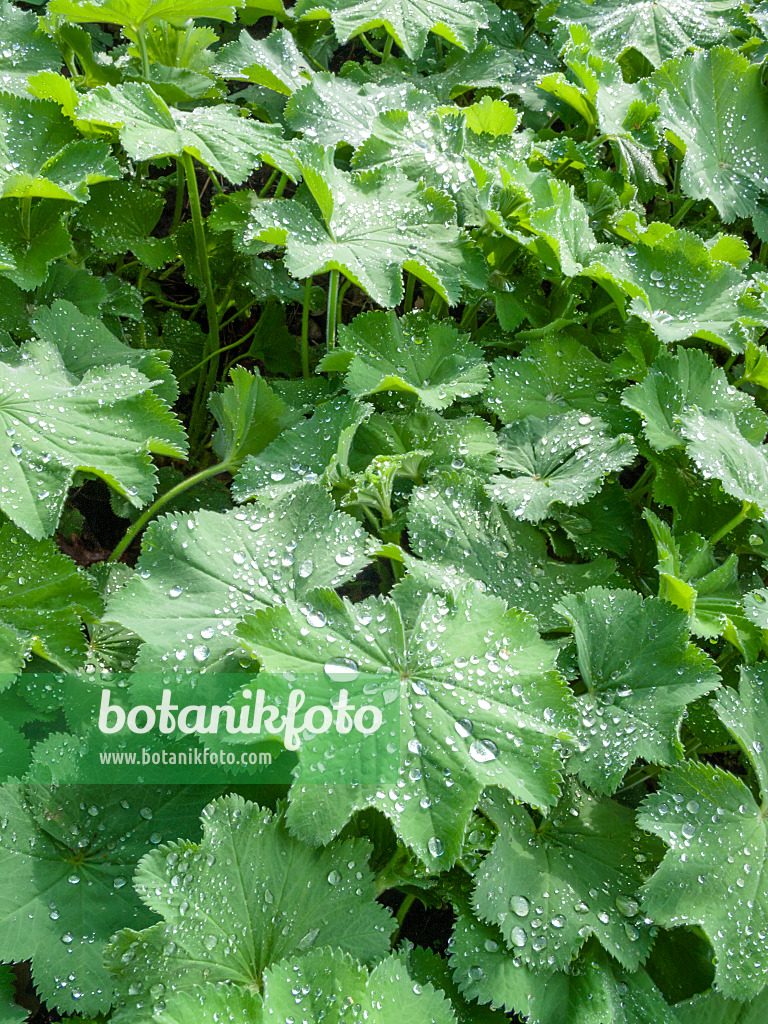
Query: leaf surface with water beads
(67, 855)
(26, 262)
(416, 354)
(24, 51)
(460, 535)
(560, 459)
(370, 226)
(240, 901)
(275, 62)
(43, 157)
(640, 670)
(479, 704)
(659, 29)
(407, 21)
(106, 424)
(216, 136)
(715, 106)
(550, 886)
(134, 14)
(595, 989)
(43, 600)
(679, 287)
(713, 873)
(199, 574)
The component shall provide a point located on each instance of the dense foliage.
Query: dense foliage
(414, 338)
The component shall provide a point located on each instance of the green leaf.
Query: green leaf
(550, 886)
(713, 103)
(66, 858)
(369, 226)
(199, 574)
(604, 523)
(415, 354)
(549, 376)
(290, 898)
(676, 384)
(560, 459)
(42, 156)
(407, 21)
(10, 1011)
(135, 14)
(43, 598)
(25, 255)
(274, 63)
(310, 451)
(208, 1004)
(595, 990)
(25, 50)
(106, 424)
(719, 450)
(657, 28)
(250, 416)
(452, 741)
(216, 136)
(85, 344)
(716, 833)
(462, 536)
(710, 1008)
(121, 218)
(330, 110)
(680, 289)
(640, 670)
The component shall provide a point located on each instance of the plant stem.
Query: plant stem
(731, 524)
(154, 508)
(281, 186)
(368, 45)
(305, 329)
(224, 348)
(402, 913)
(206, 382)
(674, 221)
(142, 41)
(268, 185)
(330, 316)
(179, 207)
(25, 208)
(387, 48)
(409, 290)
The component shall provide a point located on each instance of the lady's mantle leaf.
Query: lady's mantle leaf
(479, 703)
(550, 886)
(107, 424)
(330, 110)
(369, 226)
(657, 28)
(715, 107)
(714, 871)
(199, 574)
(244, 898)
(414, 353)
(640, 670)
(216, 136)
(408, 21)
(460, 536)
(560, 459)
(66, 859)
(25, 50)
(274, 63)
(42, 156)
(134, 14)
(43, 598)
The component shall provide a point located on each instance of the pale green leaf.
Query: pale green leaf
(25, 50)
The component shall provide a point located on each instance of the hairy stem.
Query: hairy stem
(731, 524)
(142, 41)
(333, 302)
(305, 329)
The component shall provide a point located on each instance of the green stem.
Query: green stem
(763, 253)
(674, 221)
(305, 330)
(142, 41)
(268, 185)
(235, 316)
(154, 508)
(436, 305)
(25, 208)
(178, 209)
(409, 290)
(224, 348)
(402, 913)
(387, 48)
(731, 524)
(730, 361)
(599, 312)
(204, 385)
(333, 303)
(281, 186)
(369, 46)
